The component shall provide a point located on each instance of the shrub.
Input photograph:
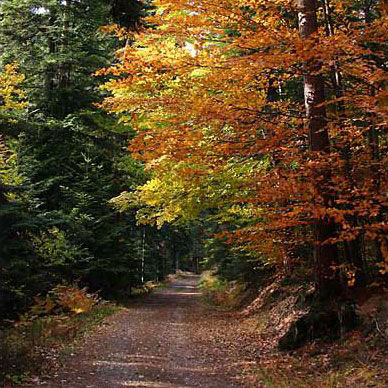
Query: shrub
(220, 292)
(64, 298)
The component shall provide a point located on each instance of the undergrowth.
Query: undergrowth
(221, 293)
(31, 346)
(147, 288)
(356, 360)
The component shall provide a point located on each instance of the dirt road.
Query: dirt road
(168, 339)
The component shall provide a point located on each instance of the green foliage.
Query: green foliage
(58, 46)
(221, 293)
(62, 161)
(232, 262)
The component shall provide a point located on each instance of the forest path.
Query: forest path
(168, 339)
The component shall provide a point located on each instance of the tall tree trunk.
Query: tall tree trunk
(325, 255)
(143, 254)
(353, 252)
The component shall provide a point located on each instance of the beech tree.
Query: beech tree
(325, 254)
(221, 85)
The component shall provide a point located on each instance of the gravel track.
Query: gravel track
(167, 340)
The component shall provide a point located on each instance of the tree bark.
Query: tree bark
(325, 255)
(352, 249)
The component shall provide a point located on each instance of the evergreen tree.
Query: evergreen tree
(69, 158)
(58, 46)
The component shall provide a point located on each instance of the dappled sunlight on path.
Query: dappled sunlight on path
(159, 341)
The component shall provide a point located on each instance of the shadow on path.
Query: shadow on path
(153, 343)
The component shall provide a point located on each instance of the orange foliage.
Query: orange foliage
(222, 80)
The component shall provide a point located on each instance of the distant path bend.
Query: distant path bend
(166, 340)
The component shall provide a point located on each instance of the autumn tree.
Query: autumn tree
(12, 99)
(294, 91)
(325, 254)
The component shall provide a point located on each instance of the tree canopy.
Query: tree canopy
(140, 137)
(273, 112)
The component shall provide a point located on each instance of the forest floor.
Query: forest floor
(168, 339)
(171, 339)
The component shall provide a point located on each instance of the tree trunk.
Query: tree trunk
(352, 249)
(143, 255)
(325, 255)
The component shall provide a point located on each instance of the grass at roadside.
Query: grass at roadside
(33, 348)
(220, 293)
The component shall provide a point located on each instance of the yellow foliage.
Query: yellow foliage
(198, 89)
(12, 97)
(42, 306)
